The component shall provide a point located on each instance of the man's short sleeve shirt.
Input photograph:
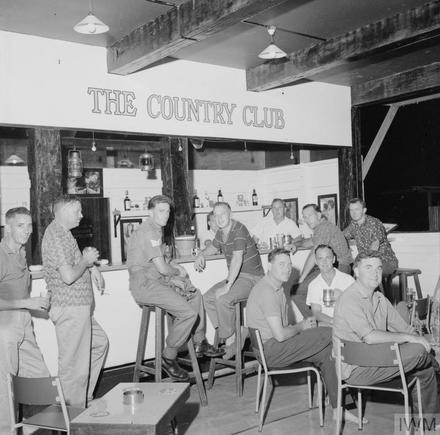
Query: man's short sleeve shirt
(327, 233)
(59, 248)
(14, 274)
(144, 245)
(268, 228)
(239, 239)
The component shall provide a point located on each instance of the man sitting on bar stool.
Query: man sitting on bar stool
(244, 270)
(155, 281)
(369, 234)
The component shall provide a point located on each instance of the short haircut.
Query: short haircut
(314, 206)
(324, 246)
(64, 200)
(13, 212)
(277, 200)
(358, 200)
(274, 254)
(366, 255)
(159, 199)
(221, 203)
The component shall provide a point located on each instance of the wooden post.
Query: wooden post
(44, 166)
(176, 185)
(350, 169)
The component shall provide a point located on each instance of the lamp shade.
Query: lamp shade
(272, 51)
(197, 143)
(13, 159)
(91, 25)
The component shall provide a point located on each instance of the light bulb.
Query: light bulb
(91, 28)
(93, 146)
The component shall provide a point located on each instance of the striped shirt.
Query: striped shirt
(239, 239)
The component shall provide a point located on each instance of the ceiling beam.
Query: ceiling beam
(389, 33)
(192, 21)
(401, 85)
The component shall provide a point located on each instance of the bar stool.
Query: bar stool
(237, 363)
(155, 367)
(404, 274)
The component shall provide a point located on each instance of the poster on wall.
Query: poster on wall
(90, 184)
(292, 208)
(128, 226)
(329, 207)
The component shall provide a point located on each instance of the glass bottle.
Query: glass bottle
(254, 197)
(127, 202)
(219, 196)
(196, 200)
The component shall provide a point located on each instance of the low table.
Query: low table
(153, 416)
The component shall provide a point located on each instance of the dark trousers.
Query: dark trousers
(416, 362)
(313, 346)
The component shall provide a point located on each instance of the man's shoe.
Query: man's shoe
(206, 349)
(174, 371)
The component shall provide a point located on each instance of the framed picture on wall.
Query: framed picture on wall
(292, 209)
(266, 209)
(89, 185)
(329, 207)
(128, 227)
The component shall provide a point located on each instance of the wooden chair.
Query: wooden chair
(373, 355)
(423, 309)
(258, 348)
(403, 274)
(155, 368)
(39, 391)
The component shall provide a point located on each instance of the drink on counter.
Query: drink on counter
(196, 200)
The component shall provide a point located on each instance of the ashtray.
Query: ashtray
(36, 268)
(132, 396)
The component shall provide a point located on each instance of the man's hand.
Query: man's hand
(37, 303)
(182, 272)
(200, 263)
(178, 282)
(375, 245)
(98, 279)
(222, 291)
(90, 255)
(308, 323)
(291, 247)
(417, 339)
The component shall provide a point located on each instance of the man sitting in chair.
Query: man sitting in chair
(285, 344)
(365, 315)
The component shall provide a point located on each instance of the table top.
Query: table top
(161, 400)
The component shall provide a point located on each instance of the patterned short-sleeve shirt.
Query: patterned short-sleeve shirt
(59, 248)
(364, 235)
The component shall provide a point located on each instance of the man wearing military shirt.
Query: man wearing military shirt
(19, 352)
(369, 234)
(155, 281)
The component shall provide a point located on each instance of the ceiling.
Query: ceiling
(300, 24)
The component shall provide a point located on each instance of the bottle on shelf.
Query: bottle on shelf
(254, 197)
(127, 202)
(196, 200)
(220, 196)
(192, 230)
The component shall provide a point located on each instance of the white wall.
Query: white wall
(47, 82)
(14, 189)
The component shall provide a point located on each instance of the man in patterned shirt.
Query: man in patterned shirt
(82, 344)
(370, 235)
(244, 271)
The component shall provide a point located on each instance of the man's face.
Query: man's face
(357, 211)
(311, 217)
(212, 224)
(19, 228)
(73, 214)
(161, 213)
(278, 211)
(369, 272)
(222, 216)
(281, 267)
(324, 259)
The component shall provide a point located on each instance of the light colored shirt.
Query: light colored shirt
(357, 314)
(341, 281)
(268, 228)
(266, 300)
(14, 274)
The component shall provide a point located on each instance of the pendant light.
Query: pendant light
(91, 25)
(292, 157)
(14, 160)
(93, 142)
(74, 164)
(197, 143)
(272, 51)
(146, 162)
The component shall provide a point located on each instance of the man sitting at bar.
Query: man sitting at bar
(365, 315)
(244, 270)
(275, 223)
(369, 233)
(19, 352)
(284, 343)
(155, 281)
(330, 279)
(82, 343)
(324, 233)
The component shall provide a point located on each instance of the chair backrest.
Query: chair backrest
(35, 391)
(423, 309)
(257, 346)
